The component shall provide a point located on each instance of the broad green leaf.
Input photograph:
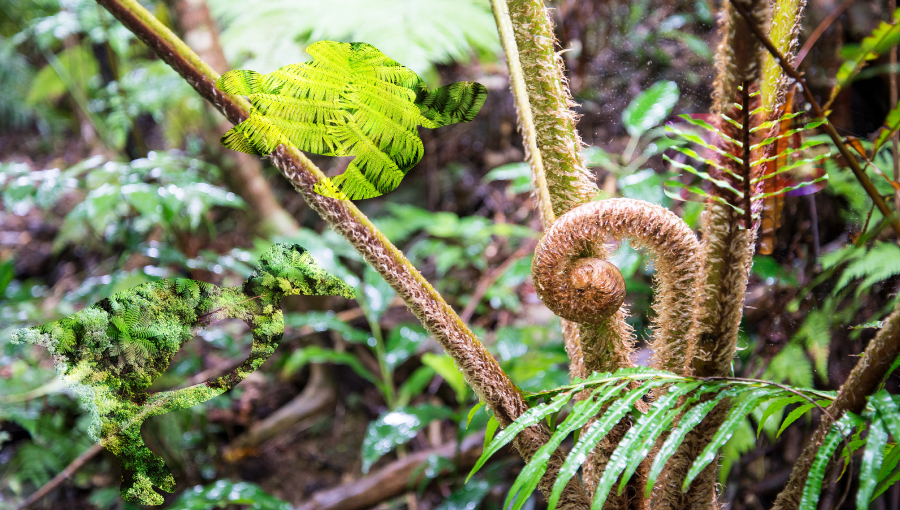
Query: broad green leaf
(446, 368)
(403, 342)
(351, 100)
(528, 418)
(871, 463)
(415, 384)
(397, 427)
(733, 419)
(225, 493)
(315, 354)
(813, 488)
(650, 107)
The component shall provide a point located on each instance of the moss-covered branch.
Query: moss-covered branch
(480, 369)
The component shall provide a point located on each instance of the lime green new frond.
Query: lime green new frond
(350, 100)
(112, 351)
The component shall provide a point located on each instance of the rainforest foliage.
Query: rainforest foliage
(131, 234)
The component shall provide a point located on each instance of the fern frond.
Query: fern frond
(351, 100)
(612, 396)
(742, 176)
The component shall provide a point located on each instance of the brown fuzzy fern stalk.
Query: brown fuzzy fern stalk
(729, 233)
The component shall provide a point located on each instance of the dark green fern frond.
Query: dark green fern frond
(350, 100)
(612, 396)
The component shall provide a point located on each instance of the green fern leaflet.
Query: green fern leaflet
(350, 100)
(112, 351)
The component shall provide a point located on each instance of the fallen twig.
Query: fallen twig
(392, 480)
(62, 476)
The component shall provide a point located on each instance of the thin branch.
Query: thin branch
(64, 475)
(485, 283)
(827, 22)
(832, 133)
(480, 369)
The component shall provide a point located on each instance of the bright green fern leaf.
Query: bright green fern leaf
(350, 100)
(112, 351)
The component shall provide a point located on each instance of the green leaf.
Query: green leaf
(352, 100)
(691, 419)
(315, 354)
(528, 479)
(446, 368)
(797, 413)
(397, 427)
(813, 488)
(403, 342)
(489, 431)
(528, 418)
(639, 439)
(882, 39)
(472, 412)
(871, 463)
(650, 107)
(774, 406)
(734, 418)
(415, 384)
(224, 493)
(466, 497)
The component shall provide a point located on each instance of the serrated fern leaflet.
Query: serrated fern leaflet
(350, 100)
(112, 351)
(746, 161)
(683, 405)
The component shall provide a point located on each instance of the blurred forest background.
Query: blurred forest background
(111, 174)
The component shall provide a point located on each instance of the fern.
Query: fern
(612, 396)
(882, 39)
(351, 100)
(742, 166)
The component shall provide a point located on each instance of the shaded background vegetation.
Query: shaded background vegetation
(112, 175)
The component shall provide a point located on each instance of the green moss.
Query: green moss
(112, 351)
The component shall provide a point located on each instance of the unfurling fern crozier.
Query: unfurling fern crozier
(112, 351)
(350, 100)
